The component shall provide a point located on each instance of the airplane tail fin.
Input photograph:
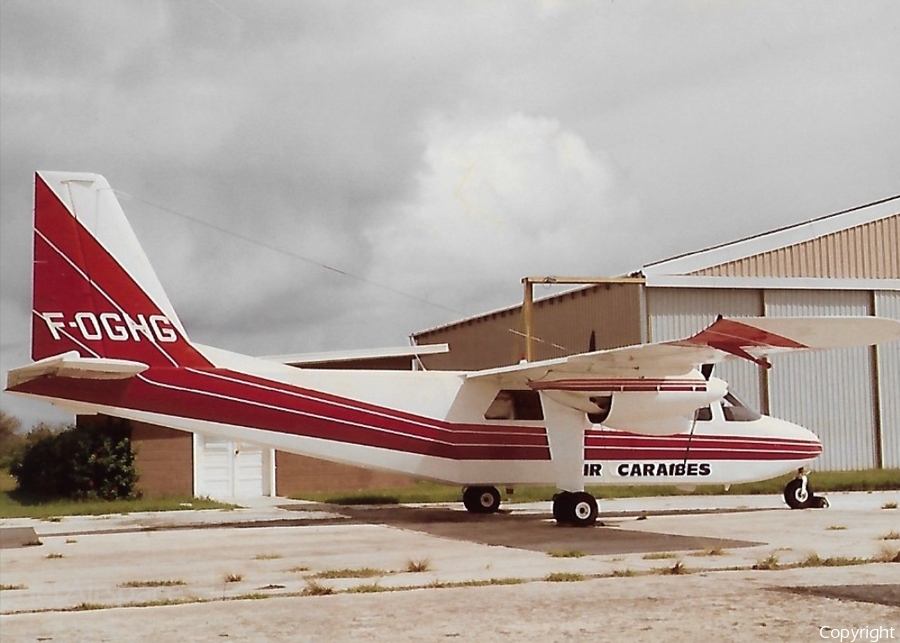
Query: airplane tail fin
(94, 291)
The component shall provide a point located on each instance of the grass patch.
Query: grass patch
(426, 492)
(316, 589)
(889, 505)
(87, 607)
(363, 572)
(887, 555)
(566, 553)
(891, 535)
(133, 584)
(234, 578)
(677, 569)
(299, 569)
(5, 587)
(368, 588)
(417, 566)
(53, 556)
(770, 562)
(475, 583)
(712, 551)
(250, 596)
(836, 528)
(15, 504)
(814, 560)
(624, 573)
(493, 581)
(659, 555)
(267, 557)
(564, 577)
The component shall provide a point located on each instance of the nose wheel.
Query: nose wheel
(798, 494)
(578, 508)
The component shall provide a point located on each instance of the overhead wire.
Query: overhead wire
(314, 262)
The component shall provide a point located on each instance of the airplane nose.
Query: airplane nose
(805, 435)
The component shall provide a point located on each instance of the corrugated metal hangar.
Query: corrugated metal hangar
(847, 263)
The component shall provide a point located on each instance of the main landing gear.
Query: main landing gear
(798, 494)
(576, 508)
(481, 500)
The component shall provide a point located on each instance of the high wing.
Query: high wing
(752, 338)
(366, 355)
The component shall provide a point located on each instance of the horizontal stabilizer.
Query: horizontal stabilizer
(71, 364)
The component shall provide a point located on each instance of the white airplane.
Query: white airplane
(106, 339)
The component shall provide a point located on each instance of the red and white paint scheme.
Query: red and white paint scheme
(106, 339)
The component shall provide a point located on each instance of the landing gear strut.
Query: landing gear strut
(481, 500)
(798, 494)
(578, 508)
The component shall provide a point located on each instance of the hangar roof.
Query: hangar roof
(881, 259)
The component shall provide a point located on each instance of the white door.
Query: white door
(227, 469)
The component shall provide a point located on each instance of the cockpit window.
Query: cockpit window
(736, 411)
(703, 414)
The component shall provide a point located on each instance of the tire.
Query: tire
(795, 497)
(481, 500)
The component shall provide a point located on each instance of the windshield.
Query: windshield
(736, 411)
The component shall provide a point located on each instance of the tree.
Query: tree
(11, 441)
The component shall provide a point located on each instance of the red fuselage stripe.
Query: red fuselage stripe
(232, 398)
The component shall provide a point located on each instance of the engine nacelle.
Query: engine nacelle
(655, 407)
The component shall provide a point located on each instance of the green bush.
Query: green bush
(94, 462)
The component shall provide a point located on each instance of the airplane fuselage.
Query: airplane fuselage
(428, 424)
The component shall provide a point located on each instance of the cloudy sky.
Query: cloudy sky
(329, 175)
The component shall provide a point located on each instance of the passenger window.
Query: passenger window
(510, 404)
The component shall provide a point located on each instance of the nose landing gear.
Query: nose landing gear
(798, 494)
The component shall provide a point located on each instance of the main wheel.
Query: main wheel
(481, 500)
(575, 508)
(797, 496)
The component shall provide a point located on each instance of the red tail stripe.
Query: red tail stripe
(73, 273)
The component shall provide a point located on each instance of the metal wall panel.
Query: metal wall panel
(680, 312)
(565, 322)
(829, 392)
(887, 304)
